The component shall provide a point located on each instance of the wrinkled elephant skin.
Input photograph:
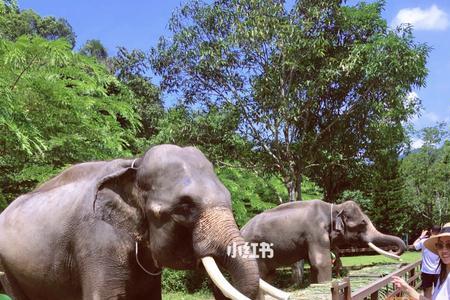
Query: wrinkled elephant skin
(308, 230)
(75, 236)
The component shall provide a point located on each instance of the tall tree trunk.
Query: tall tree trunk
(294, 188)
(298, 269)
(299, 187)
(291, 191)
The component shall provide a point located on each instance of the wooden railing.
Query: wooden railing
(342, 291)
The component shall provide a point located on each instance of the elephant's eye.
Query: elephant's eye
(182, 209)
(184, 214)
(185, 210)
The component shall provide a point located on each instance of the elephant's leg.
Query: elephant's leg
(264, 271)
(217, 293)
(337, 263)
(11, 287)
(320, 261)
(98, 286)
(118, 282)
(298, 271)
(270, 276)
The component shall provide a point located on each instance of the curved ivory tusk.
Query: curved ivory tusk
(273, 291)
(227, 289)
(382, 252)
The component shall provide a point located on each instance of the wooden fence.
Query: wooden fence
(342, 290)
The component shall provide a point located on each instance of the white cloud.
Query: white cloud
(431, 116)
(417, 143)
(412, 99)
(431, 18)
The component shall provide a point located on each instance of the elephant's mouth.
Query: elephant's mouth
(214, 232)
(230, 291)
(205, 245)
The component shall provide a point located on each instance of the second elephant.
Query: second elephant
(308, 230)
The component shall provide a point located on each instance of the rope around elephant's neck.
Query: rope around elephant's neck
(132, 164)
(331, 217)
(142, 267)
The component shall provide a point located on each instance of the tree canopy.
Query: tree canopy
(289, 103)
(427, 176)
(314, 85)
(57, 108)
(15, 23)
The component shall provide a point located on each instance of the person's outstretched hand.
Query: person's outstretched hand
(424, 233)
(400, 283)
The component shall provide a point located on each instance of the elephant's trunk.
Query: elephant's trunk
(215, 235)
(380, 240)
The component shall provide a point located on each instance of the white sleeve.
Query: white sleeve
(419, 245)
(442, 292)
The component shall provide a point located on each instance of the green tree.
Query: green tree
(131, 67)
(15, 23)
(426, 172)
(379, 179)
(311, 84)
(57, 108)
(213, 131)
(95, 48)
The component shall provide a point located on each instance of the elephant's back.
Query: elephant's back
(281, 222)
(87, 172)
(64, 197)
(282, 212)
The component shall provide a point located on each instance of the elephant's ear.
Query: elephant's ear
(339, 225)
(115, 200)
(115, 175)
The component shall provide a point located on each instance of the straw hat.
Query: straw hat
(430, 243)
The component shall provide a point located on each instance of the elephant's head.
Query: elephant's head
(352, 225)
(186, 212)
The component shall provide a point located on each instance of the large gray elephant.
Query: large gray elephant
(105, 229)
(308, 230)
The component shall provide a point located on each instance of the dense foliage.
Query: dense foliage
(426, 172)
(304, 103)
(15, 23)
(57, 108)
(314, 85)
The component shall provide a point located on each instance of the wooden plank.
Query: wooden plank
(382, 282)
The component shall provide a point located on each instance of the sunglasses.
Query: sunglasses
(441, 246)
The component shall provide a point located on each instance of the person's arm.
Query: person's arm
(401, 284)
(417, 243)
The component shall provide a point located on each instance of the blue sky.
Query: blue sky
(139, 24)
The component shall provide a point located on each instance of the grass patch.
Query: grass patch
(185, 296)
(370, 260)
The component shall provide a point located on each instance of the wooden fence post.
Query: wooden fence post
(411, 275)
(336, 288)
(334, 291)
(347, 289)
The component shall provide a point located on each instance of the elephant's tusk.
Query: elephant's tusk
(227, 289)
(382, 252)
(273, 291)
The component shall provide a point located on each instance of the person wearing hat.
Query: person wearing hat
(430, 262)
(440, 245)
